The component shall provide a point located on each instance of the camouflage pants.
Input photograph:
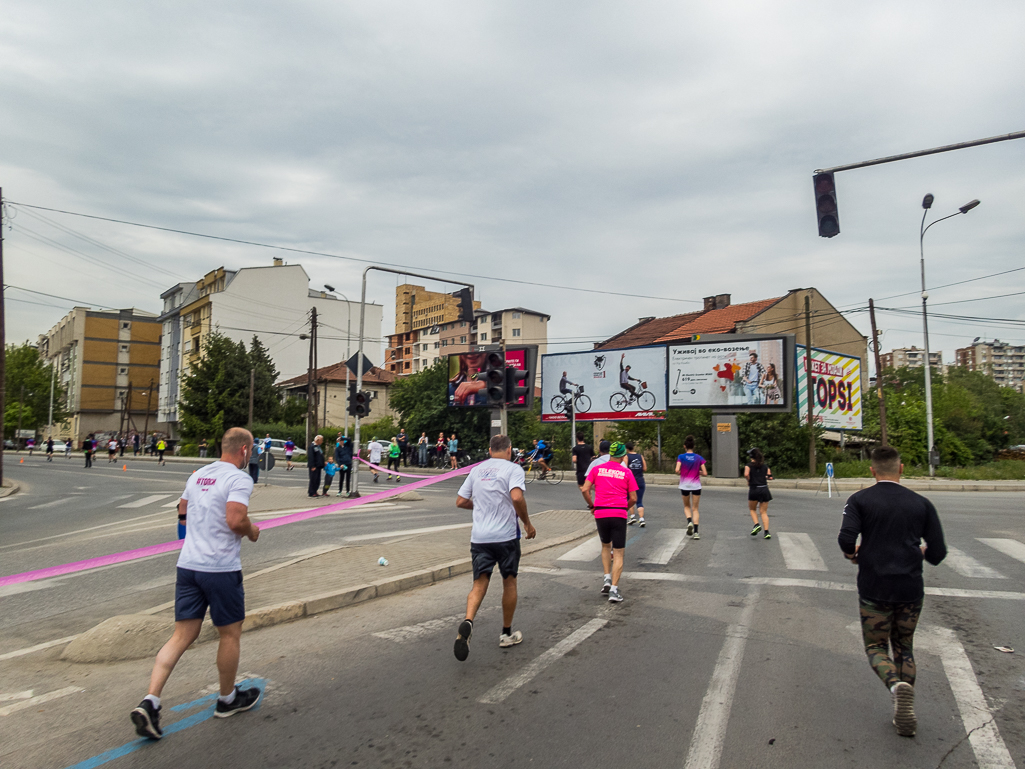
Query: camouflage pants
(890, 628)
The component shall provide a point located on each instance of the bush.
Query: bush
(188, 450)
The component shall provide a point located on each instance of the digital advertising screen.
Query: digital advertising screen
(836, 384)
(745, 374)
(627, 384)
(466, 386)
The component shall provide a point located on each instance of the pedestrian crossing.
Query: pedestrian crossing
(793, 551)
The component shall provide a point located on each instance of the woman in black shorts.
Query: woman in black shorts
(758, 476)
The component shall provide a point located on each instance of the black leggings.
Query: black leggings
(394, 460)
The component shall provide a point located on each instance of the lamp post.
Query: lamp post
(348, 353)
(926, 205)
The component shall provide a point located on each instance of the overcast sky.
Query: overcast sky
(661, 149)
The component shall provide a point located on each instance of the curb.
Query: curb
(9, 488)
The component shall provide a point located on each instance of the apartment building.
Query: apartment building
(402, 352)
(172, 333)
(910, 357)
(109, 362)
(1003, 362)
(417, 308)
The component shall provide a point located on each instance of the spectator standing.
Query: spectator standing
(315, 464)
(343, 457)
(135, 444)
(152, 445)
(403, 447)
(453, 451)
(121, 444)
(330, 469)
(254, 461)
(88, 446)
(439, 451)
(202, 448)
(421, 446)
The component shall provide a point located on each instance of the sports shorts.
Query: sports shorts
(194, 591)
(759, 494)
(486, 554)
(687, 492)
(612, 530)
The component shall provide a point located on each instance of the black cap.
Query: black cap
(604, 447)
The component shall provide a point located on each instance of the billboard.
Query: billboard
(732, 373)
(836, 382)
(466, 379)
(623, 384)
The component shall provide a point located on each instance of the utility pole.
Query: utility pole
(21, 405)
(3, 337)
(252, 387)
(879, 372)
(810, 389)
(311, 408)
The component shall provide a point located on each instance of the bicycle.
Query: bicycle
(645, 399)
(533, 471)
(580, 401)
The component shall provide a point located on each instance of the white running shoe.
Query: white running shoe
(606, 584)
(641, 523)
(510, 640)
(615, 596)
(690, 528)
(631, 520)
(696, 536)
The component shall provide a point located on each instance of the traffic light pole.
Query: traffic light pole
(359, 354)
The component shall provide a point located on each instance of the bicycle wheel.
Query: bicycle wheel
(558, 404)
(583, 404)
(646, 400)
(528, 472)
(618, 401)
(554, 476)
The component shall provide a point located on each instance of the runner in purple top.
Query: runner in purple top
(691, 467)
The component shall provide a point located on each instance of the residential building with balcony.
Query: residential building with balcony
(417, 308)
(911, 357)
(171, 337)
(1004, 363)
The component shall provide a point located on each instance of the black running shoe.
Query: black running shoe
(147, 721)
(462, 649)
(244, 700)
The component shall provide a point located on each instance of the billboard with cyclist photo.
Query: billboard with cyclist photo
(732, 373)
(606, 384)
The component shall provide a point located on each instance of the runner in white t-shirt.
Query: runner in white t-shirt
(215, 503)
(375, 457)
(494, 492)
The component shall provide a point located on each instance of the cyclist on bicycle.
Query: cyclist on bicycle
(565, 385)
(625, 379)
(542, 454)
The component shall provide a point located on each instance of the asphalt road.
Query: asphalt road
(732, 651)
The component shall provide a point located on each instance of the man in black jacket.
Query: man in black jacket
(315, 464)
(892, 521)
(343, 458)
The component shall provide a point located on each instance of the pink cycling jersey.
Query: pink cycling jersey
(612, 484)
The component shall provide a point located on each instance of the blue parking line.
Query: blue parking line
(178, 726)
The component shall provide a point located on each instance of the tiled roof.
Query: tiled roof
(722, 321)
(336, 373)
(647, 331)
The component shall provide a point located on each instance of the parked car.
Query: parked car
(58, 446)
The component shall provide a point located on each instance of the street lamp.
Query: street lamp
(348, 340)
(927, 204)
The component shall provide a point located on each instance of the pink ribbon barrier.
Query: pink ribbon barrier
(167, 547)
(392, 472)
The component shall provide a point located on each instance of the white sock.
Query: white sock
(154, 699)
(608, 576)
(227, 700)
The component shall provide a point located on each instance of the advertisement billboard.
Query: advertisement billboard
(466, 381)
(732, 373)
(610, 384)
(836, 384)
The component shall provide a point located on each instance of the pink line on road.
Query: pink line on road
(392, 472)
(168, 547)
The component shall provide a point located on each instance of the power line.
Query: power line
(956, 283)
(347, 258)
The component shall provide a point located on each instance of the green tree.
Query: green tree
(266, 396)
(25, 369)
(215, 393)
(293, 412)
(422, 400)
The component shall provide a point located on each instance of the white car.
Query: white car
(58, 446)
(277, 446)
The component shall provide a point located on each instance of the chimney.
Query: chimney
(709, 303)
(721, 301)
(278, 261)
(645, 319)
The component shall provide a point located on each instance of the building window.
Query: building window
(124, 348)
(462, 339)
(516, 332)
(444, 343)
(436, 346)
(516, 316)
(126, 324)
(484, 337)
(462, 324)
(407, 364)
(122, 371)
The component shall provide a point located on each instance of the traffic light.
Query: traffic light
(494, 378)
(516, 386)
(825, 205)
(359, 402)
(465, 304)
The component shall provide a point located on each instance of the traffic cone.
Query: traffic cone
(22, 461)
(124, 468)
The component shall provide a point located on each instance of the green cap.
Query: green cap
(617, 450)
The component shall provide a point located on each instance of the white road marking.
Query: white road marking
(416, 632)
(62, 502)
(497, 694)
(800, 552)
(668, 542)
(39, 700)
(710, 729)
(1011, 547)
(966, 566)
(172, 504)
(265, 514)
(587, 551)
(979, 723)
(16, 696)
(144, 501)
(387, 534)
(81, 531)
(37, 647)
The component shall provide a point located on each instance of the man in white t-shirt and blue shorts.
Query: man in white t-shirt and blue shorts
(215, 510)
(494, 492)
(375, 457)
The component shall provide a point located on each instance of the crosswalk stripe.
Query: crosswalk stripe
(668, 542)
(966, 566)
(39, 700)
(588, 551)
(172, 504)
(800, 552)
(145, 501)
(1011, 547)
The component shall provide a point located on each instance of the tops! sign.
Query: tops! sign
(835, 385)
